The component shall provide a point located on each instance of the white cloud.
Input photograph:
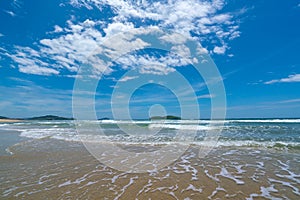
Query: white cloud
(289, 79)
(121, 44)
(11, 13)
(201, 50)
(145, 64)
(76, 46)
(57, 29)
(220, 50)
(156, 69)
(68, 51)
(1, 35)
(222, 18)
(201, 17)
(181, 50)
(28, 61)
(118, 27)
(206, 96)
(34, 69)
(290, 101)
(79, 42)
(16, 3)
(174, 38)
(127, 78)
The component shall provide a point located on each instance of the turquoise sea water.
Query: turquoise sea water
(266, 133)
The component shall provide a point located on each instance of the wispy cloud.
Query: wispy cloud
(206, 96)
(11, 13)
(26, 99)
(289, 79)
(290, 101)
(127, 78)
(16, 3)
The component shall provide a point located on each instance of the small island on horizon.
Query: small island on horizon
(169, 117)
(45, 117)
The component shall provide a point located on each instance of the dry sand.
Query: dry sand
(10, 120)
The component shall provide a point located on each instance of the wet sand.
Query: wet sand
(54, 169)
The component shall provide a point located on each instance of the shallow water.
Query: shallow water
(9, 138)
(62, 170)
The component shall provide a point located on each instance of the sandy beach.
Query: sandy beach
(62, 170)
(51, 163)
(10, 120)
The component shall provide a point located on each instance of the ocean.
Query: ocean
(142, 159)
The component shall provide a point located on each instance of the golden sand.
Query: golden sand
(10, 120)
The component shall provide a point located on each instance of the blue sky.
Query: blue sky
(254, 44)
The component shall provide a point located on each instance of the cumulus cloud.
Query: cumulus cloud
(201, 17)
(219, 50)
(68, 51)
(289, 79)
(146, 64)
(57, 29)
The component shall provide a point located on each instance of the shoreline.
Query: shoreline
(10, 120)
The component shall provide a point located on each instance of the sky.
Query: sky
(100, 55)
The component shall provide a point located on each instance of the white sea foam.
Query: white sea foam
(228, 175)
(69, 134)
(287, 184)
(264, 120)
(193, 188)
(65, 183)
(172, 131)
(9, 151)
(180, 126)
(249, 143)
(266, 193)
(131, 181)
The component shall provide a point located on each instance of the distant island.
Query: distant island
(1, 117)
(48, 117)
(170, 117)
(104, 118)
(45, 117)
